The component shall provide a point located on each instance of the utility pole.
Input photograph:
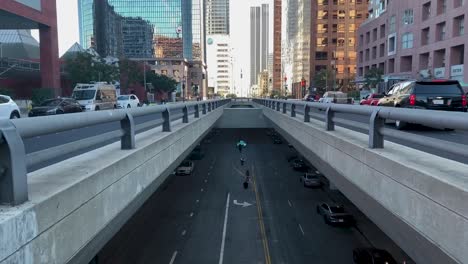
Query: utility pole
(144, 74)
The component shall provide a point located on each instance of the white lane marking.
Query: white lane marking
(317, 171)
(208, 174)
(201, 189)
(184, 232)
(221, 252)
(211, 167)
(197, 201)
(289, 202)
(191, 214)
(302, 230)
(173, 257)
(206, 180)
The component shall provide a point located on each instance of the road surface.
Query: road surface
(208, 217)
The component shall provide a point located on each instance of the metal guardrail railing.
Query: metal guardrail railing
(14, 162)
(377, 116)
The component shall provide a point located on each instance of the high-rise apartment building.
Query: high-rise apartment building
(217, 17)
(414, 40)
(219, 61)
(259, 41)
(333, 44)
(277, 65)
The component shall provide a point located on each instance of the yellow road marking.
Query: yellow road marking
(266, 249)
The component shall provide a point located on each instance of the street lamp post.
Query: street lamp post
(183, 88)
(1, 50)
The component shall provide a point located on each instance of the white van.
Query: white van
(95, 96)
(335, 97)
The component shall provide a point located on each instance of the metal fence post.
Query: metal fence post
(329, 114)
(204, 108)
(13, 173)
(167, 121)
(293, 110)
(197, 111)
(306, 113)
(376, 139)
(278, 106)
(209, 106)
(285, 108)
(185, 114)
(127, 141)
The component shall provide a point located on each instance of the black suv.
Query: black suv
(434, 95)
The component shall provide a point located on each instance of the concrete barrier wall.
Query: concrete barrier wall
(73, 202)
(417, 199)
(242, 118)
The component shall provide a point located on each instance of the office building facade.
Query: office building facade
(414, 40)
(277, 49)
(333, 45)
(217, 17)
(219, 61)
(259, 41)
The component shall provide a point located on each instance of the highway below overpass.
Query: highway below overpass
(44, 142)
(209, 216)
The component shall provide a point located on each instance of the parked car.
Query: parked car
(95, 96)
(56, 107)
(434, 95)
(371, 99)
(334, 214)
(299, 165)
(185, 168)
(277, 140)
(292, 158)
(310, 180)
(336, 98)
(311, 97)
(128, 101)
(372, 256)
(197, 154)
(8, 108)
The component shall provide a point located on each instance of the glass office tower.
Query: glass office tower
(123, 27)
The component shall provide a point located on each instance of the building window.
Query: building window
(439, 58)
(425, 36)
(457, 55)
(367, 54)
(407, 41)
(459, 3)
(426, 11)
(459, 26)
(392, 40)
(406, 63)
(441, 7)
(392, 24)
(424, 61)
(382, 50)
(322, 42)
(382, 31)
(322, 2)
(408, 17)
(440, 31)
(321, 55)
(374, 52)
(367, 37)
(391, 66)
(374, 34)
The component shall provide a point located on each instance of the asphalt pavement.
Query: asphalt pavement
(208, 217)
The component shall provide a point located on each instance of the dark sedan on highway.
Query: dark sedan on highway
(334, 214)
(299, 165)
(372, 256)
(56, 107)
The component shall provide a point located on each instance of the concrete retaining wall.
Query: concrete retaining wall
(243, 118)
(74, 202)
(417, 199)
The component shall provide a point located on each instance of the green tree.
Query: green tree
(373, 77)
(160, 82)
(320, 80)
(84, 68)
(231, 95)
(275, 94)
(131, 73)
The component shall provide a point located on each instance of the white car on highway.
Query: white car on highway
(128, 101)
(186, 168)
(8, 108)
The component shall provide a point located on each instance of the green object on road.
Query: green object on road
(242, 143)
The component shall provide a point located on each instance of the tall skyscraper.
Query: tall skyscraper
(217, 17)
(259, 32)
(123, 27)
(296, 53)
(277, 66)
